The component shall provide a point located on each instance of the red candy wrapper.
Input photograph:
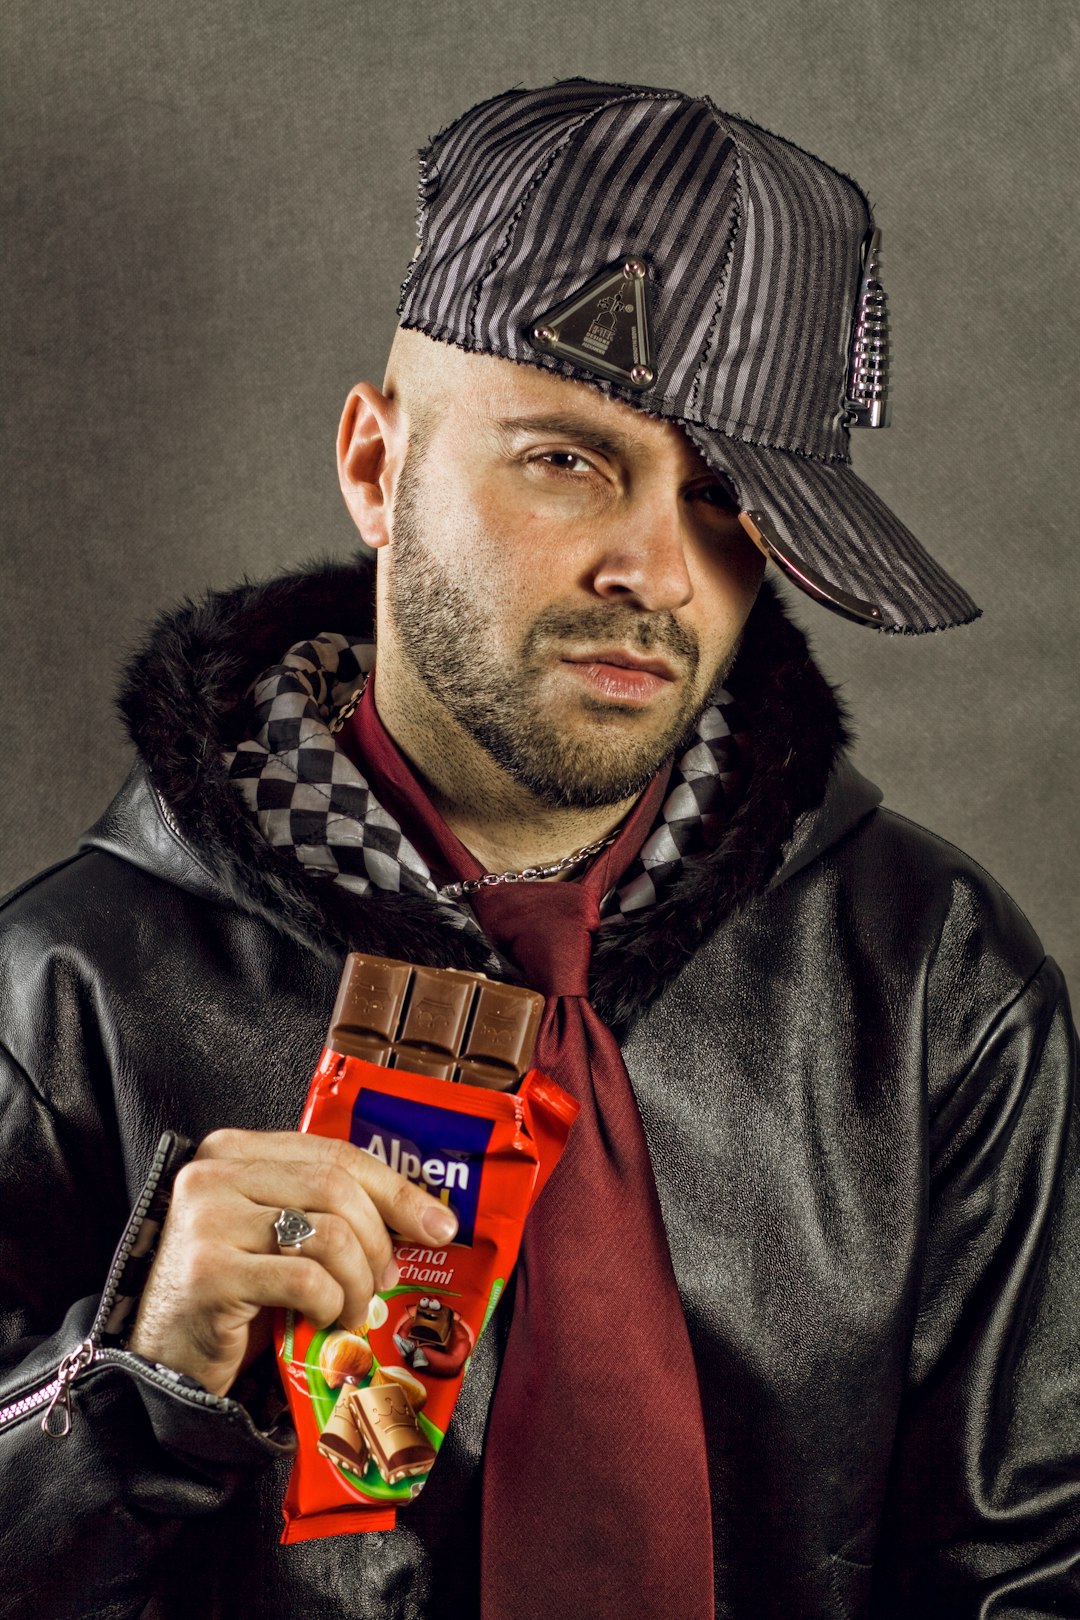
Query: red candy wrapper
(371, 1408)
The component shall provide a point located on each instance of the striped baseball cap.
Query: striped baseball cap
(704, 271)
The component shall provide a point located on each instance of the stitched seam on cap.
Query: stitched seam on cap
(424, 158)
(793, 450)
(737, 226)
(423, 211)
(739, 425)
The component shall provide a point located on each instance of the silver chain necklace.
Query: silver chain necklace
(528, 874)
(347, 710)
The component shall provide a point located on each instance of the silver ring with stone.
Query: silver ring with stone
(292, 1228)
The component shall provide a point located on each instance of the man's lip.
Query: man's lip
(623, 660)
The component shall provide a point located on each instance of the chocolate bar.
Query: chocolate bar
(441, 1022)
(341, 1441)
(389, 1429)
(432, 1323)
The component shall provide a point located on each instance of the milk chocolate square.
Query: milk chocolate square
(438, 1010)
(504, 1027)
(370, 997)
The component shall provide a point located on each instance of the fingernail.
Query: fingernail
(390, 1277)
(440, 1224)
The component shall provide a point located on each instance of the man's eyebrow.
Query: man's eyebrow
(578, 428)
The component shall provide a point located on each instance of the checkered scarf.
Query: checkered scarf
(306, 794)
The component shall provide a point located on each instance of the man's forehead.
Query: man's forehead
(472, 395)
(512, 400)
(507, 389)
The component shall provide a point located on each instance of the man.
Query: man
(794, 1329)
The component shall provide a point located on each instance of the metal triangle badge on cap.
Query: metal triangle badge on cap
(604, 327)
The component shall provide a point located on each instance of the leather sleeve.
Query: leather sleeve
(85, 1515)
(983, 1516)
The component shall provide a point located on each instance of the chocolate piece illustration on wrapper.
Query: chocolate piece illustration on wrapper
(388, 1427)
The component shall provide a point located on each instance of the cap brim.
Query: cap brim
(828, 520)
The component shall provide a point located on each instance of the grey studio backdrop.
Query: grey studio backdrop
(208, 210)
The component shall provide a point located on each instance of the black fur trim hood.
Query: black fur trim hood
(181, 699)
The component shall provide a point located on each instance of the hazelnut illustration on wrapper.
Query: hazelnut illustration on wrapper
(415, 1391)
(344, 1355)
(376, 1314)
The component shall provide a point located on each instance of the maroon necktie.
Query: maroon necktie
(595, 1485)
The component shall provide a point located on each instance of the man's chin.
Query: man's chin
(589, 774)
(578, 795)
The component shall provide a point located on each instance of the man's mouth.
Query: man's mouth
(623, 676)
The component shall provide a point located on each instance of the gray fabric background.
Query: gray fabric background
(207, 212)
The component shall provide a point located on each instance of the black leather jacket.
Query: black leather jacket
(855, 1068)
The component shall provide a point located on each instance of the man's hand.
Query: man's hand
(205, 1308)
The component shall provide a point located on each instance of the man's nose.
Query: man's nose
(645, 559)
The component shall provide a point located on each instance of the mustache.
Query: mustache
(652, 633)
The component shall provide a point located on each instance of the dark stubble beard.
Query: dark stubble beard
(442, 631)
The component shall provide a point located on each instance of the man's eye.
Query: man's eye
(565, 461)
(720, 496)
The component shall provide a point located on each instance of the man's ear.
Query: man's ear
(367, 459)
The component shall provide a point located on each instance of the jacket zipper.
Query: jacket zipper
(55, 1393)
(58, 1419)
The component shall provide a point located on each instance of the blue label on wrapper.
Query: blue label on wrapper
(440, 1150)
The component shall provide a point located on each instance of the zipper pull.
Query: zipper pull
(57, 1420)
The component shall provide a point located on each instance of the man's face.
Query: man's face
(566, 578)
